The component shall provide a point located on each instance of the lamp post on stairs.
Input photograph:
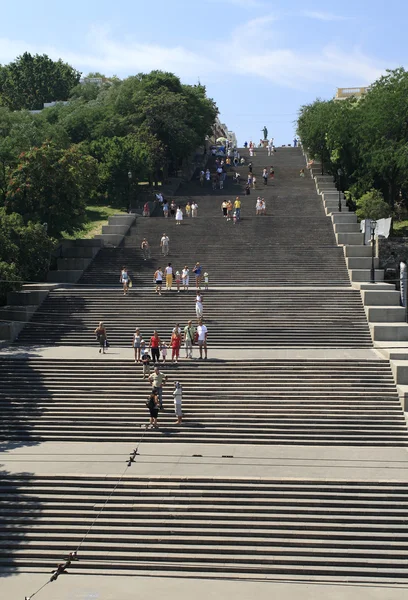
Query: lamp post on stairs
(373, 225)
(129, 191)
(339, 173)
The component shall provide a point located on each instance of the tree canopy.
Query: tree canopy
(367, 139)
(30, 81)
(54, 161)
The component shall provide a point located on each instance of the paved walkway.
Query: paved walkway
(98, 587)
(290, 353)
(211, 460)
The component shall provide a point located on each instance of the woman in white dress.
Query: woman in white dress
(199, 306)
(179, 215)
(185, 278)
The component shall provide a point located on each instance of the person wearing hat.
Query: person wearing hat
(158, 379)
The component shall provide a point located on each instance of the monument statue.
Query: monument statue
(265, 132)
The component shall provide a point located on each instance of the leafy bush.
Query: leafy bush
(372, 206)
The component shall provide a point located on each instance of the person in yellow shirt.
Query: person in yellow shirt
(237, 208)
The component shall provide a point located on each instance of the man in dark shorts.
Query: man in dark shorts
(153, 406)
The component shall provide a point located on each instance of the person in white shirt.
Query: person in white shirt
(179, 215)
(160, 198)
(185, 277)
(199, 306)
(194, 209)
(164, 244)
(169, 276)
(202, 339)
(178, 395)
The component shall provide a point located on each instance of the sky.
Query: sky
(259, 59)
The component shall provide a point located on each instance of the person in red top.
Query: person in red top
(154, 345)
(175, 345)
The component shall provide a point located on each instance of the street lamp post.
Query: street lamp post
(373, 225)
(339, 173)
(129, 191)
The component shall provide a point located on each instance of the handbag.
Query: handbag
(130, 283)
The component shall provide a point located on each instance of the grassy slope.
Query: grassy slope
(96, 216)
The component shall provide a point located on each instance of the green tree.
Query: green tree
(24, 252)
(30, 81)
(313, 125)
(117, 157)
(52, 185)
(373, 206)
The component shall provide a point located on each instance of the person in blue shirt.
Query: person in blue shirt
(197, 271)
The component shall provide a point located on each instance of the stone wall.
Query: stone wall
(392, 250)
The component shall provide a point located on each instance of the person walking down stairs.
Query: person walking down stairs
(125, 280)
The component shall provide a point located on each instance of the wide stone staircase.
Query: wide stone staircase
(291, 374)
(293, 244)
(309, 402)
(198, 525)
(285, 317)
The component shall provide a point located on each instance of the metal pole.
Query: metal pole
(403, 285)
(372, 254)
(339, 173)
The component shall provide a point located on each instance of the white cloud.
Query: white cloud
(322, 16)
(256, 49)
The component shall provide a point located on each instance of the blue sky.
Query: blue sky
(260, 59)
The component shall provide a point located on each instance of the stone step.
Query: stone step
(312, 403)
(386, 314)
(346, 228)
(311, 527)
(380, 298)
(343, 217)
(350, 238)
(359, 275)
(363, 263)
(384, 332)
